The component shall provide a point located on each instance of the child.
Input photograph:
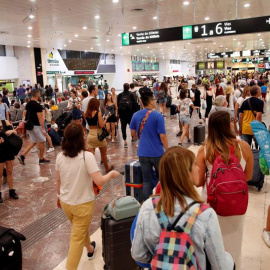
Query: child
(54, 125)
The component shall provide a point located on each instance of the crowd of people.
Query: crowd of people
(96, 113)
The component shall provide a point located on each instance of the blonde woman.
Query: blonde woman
(231, 99)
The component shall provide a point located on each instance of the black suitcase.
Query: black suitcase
(56, 138)
(169, 102)
(173, 110)
(116, 242)
(258, 176)
(199, 134)
(10, 249)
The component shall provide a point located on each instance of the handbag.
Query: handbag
(103, 135)
(14, 141)
(96, 188)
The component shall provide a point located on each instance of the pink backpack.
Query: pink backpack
(227, 191)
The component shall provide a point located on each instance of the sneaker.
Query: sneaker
(35, 149)
(13, 194)
(21, 159)
(179, 133)
(180, 144)
(125, 145)
(91, 256)
(44, 160)
(51, 149)
(134, 140)
(266, 237)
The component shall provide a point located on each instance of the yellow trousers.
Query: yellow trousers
(80, 216)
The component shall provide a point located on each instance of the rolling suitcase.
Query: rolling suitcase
(258, 176)
(116, 243)
(173, 110)
(10, 249)
(56, 138)
(169, 102)
(134, 181)
(199, 134)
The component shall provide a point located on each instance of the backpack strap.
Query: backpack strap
(143, 123)
(161, 216)
(191, 220)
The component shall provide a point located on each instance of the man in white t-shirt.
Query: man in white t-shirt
(223, 85)
(191, 81)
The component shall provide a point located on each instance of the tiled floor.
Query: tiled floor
(36, 187)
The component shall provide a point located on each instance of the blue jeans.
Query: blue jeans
(149, 181)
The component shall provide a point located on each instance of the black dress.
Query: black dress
(5, 151)
(209, 104)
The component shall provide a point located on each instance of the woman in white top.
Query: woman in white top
(230, 98)
(75, 104)
(76, 172)
(184, 116)
(220, 137)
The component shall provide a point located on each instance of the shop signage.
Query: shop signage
(175, 70)
(250, 60)
(84, 72)
(53, 72)
(217, 29)
(51, 61)
(239, 54)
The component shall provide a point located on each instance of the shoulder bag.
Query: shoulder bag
(143, 123)
(14, 141)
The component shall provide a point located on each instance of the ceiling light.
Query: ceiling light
(28, 41)
(85, 51)
(246, 5)
(198, 46)
(30, 27)
(260, 39)
(98, 44)
(259, 35)
(115, 1)
(134, 27)
(121, 48)
(112, 50)
(28, 46)
(84, 28)
(206, 18)
(91, 48)
(119, 35)
(155, 18)
(65, 45)
(29, 36)
(70, 41)
(31, 16)
(186, 3)
(121, 54)
(107, 40)
(206, 39)
(76, 35)
(188, 43)
(97, 17)
(234, 39)
(137, 50)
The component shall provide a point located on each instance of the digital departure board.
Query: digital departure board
(208, 30)
(238, 54)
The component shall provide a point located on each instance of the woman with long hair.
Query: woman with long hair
(208, 96)
(220, 138)
(94, 119)
(162, 98)
(110, 107)
(229, 92)
(74, 103)
(184, 114)
(179, 196)
(76, 172)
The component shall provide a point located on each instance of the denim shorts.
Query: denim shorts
(184, 119)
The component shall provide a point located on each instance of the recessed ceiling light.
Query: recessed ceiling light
(155, 18)
(98, 44)
(91, 48)
(76, 35)
(30, 27)
(234, 39)
(112, 50)
(65, 45)
(206, 39)
(70, 41)
(246, 5)
(107, 40)
(29, 36)
(85, 51)
(97, 17)
(206, 18)
(115, 1)
(119, 35)
(260, 39)
(121, 48)
(121, 54)
(137, 50)
(28, 41)
(84, 28)
(198, 46)
(134, 27)
(31, 16)
(186, 3)
(28, 46)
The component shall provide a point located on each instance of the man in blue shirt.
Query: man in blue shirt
(150, 128)
(264, 90)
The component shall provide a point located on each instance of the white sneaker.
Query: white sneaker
(266, 237)
(35, 149)
(51, 149)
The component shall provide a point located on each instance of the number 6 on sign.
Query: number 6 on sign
(219, 29)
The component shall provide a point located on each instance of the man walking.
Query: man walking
(33, 114)
(21, 93)
(150, 128)
(251, 109)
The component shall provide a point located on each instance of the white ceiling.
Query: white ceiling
(58, 21)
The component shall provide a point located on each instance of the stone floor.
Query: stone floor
(36, 187)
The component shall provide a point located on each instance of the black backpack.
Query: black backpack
(125, 103)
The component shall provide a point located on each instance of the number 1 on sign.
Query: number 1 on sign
(204, 31)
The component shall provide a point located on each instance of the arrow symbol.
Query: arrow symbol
(187, 30)
(268, 21)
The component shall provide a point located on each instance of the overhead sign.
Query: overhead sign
(217, 29)
(238, 54)
(84, 72)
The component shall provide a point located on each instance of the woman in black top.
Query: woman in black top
(209, 99)
(94, 119)
(110, 108)
(6, 157)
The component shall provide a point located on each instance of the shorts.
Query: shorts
(264, 95)
(162, 100)
(184, 119)
(92, 139)
(36, 135)
(112, 119)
